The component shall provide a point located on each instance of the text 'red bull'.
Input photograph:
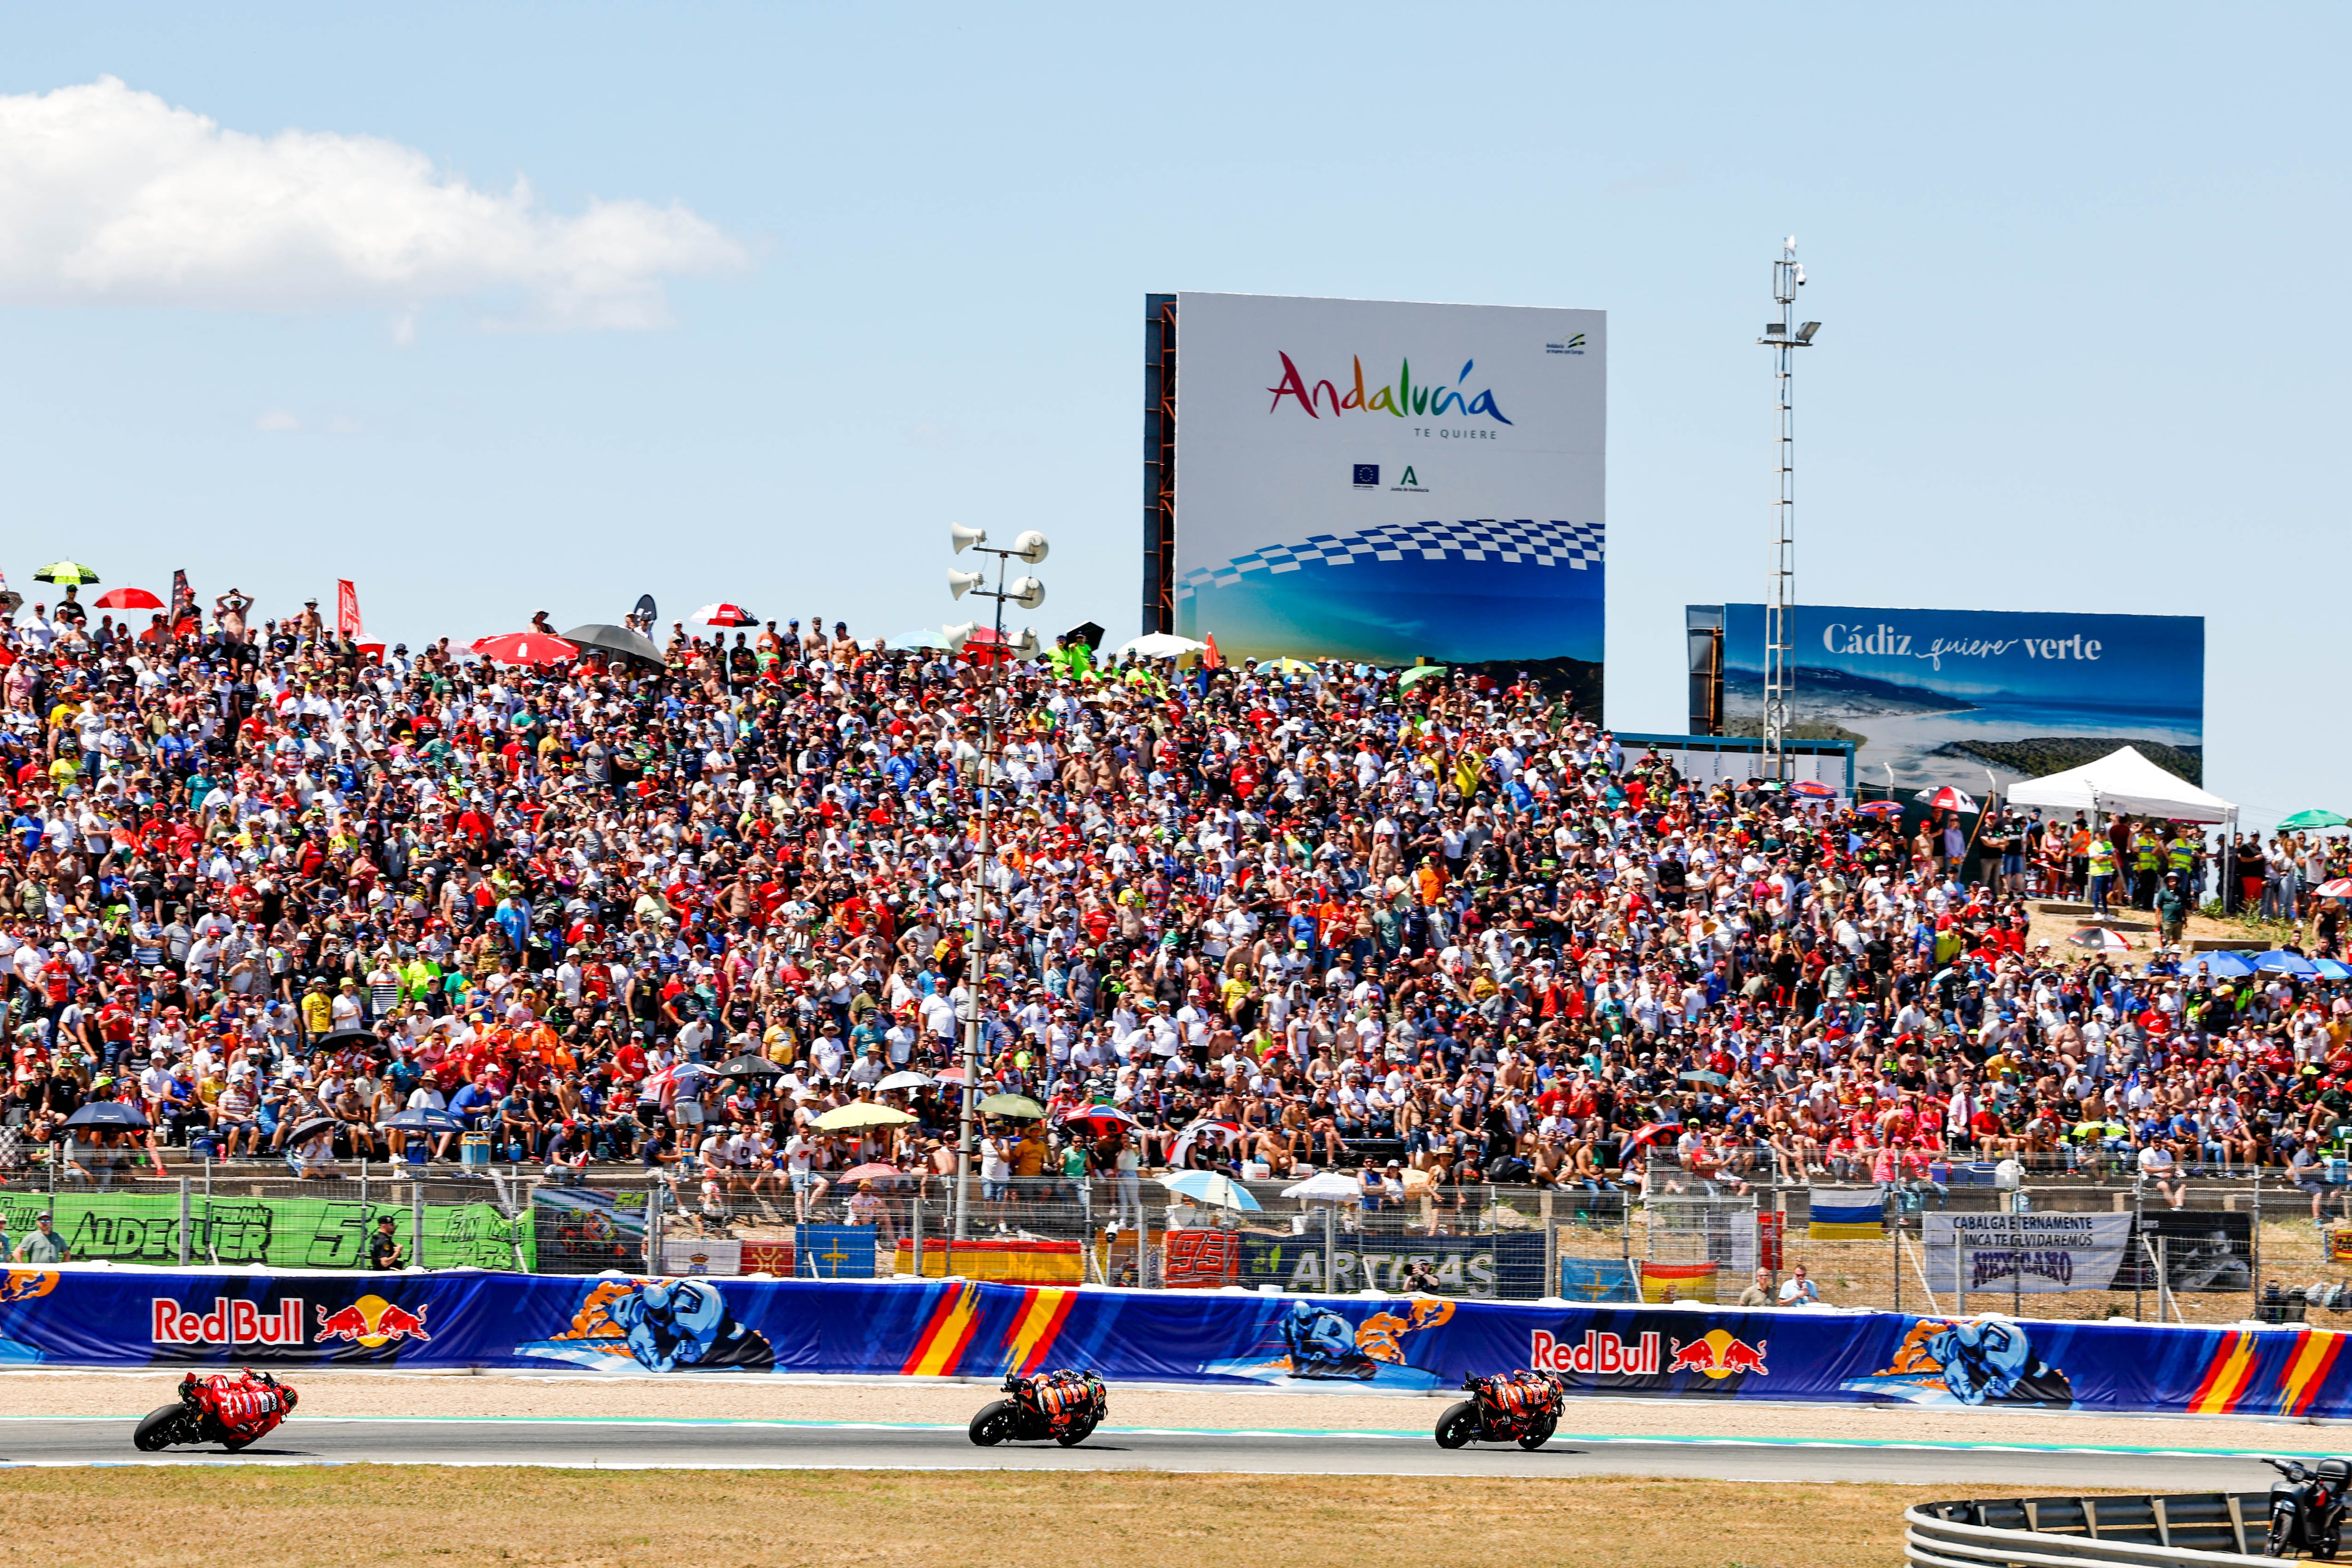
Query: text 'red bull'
(1595, 1355)
(229, 1323)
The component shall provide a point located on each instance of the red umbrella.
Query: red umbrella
(129, 599)
(872, 1171)
(1813, 789)
(527, 648)
(725, 615)
(1879, 808)
(1947, 799)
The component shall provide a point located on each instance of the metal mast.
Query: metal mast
(1783, 337)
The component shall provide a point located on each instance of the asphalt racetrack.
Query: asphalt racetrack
(637, 1444)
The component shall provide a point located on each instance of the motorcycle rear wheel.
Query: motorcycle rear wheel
(159, 1429)
(995, 1423)
(1537, 1435)
(1457, 1425)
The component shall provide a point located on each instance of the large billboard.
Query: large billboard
(1936, 697)
(1387, 483)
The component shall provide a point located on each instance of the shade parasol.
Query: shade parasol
(1813, 789)
(1946, 799)
(527, 648)
(860, 1113)
(905, 1080)
(2099, 938)
(422, 1118)
(724, 614)
(129, 599)
(1210, 1188)
(2278, 961)
(748, 1066)
(2301, 822)
(1419, 673)
(66, 574)
(1014, 1105)
(872, 1171)
(1880, 808)
(1326, 1185)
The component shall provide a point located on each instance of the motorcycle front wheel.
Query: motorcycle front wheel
(1076, 1435)
(2281, 1536)
(1536, 1436)
(158, 1429)
(1457, 1425)
(995, 1424)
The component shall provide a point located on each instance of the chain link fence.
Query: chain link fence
(1945, 1239)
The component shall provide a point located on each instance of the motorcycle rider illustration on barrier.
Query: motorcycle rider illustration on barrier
(672, 1323)
(1990, 1363)
(1322, 1343)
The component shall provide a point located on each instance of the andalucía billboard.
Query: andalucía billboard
(1385, 481)
(1941, 696)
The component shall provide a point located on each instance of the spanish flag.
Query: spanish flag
(1679, 1281)
(1850, 1214)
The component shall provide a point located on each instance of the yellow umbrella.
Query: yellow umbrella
(860, 1113)
(1289, 666)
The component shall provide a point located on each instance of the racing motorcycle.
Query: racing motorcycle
(2308, 1507)
(1064, 1405)
(233, 1409)
(1520, 1408)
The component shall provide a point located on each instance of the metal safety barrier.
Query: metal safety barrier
(2172, 1531)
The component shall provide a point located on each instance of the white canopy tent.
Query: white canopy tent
(2123, 784)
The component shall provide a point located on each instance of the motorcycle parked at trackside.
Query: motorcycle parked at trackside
(2308, 1507)
(1065, 1406)
(1520, 1408)
(233, 1409)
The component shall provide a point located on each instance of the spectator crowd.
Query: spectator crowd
(259, 878)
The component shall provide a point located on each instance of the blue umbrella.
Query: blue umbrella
(2332, 969)
(1210, 1188)
(421, 1120)
(2279, 960)
(2224, 966)
(109, 1114)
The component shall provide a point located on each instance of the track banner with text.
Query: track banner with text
(2029, 1254)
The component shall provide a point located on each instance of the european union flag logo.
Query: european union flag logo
(1367, 474)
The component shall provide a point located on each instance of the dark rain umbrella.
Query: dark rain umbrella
(345, 1039)
(421, 1120)
(615, 639)
(747, 1067)
(1088, 632)
(109, 1114)
(304, 1131)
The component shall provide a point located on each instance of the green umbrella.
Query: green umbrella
(65, 572)
(1417, 673)
(2303, 820)
(1019, 1105)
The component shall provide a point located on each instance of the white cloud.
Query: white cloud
(276, 420)
(109, 196)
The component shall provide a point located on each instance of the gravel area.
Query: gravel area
(32, 1393)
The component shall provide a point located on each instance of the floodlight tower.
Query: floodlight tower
(1783, 337)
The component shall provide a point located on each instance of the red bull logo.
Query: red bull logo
(371, 1320)
(1719, 1354)
(229, 1323)
(1597, 1355)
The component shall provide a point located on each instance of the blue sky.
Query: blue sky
(790, 289)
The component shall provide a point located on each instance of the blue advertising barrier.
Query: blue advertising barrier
(118, 1318)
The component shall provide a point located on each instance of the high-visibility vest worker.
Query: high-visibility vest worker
(2146, 851)
(2182, 856)
(2103, 856)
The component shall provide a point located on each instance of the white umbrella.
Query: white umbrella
(1326, 1185)
(905, 1080)
(1161, 645)
(1209, 1187)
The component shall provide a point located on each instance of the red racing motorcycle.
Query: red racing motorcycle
(1520, 1408)
(233, 1409)
(1064, 1405)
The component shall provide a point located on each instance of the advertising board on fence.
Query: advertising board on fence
(1508, 1264)
(170, 1318)
(2029, 1254)
(277, 1233)
(1381, 480)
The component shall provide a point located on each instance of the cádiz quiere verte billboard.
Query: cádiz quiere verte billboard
(1936, 696)
(1388, 481)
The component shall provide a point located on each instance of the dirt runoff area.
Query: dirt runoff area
(360, 1514)
(952, 1401)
